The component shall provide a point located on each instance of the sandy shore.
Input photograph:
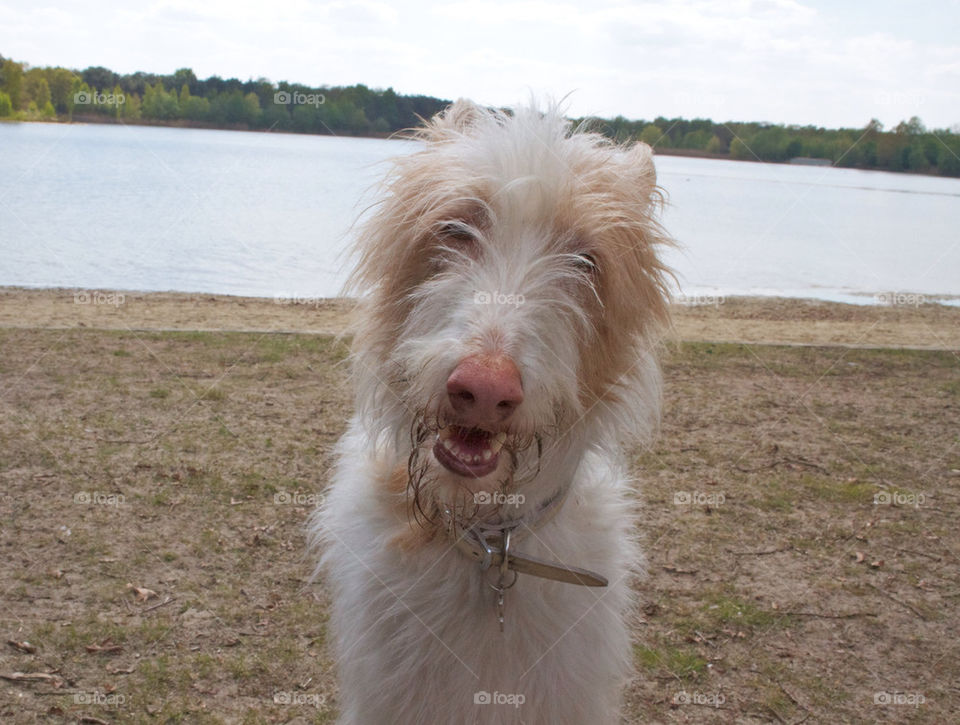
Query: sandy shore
(750, 320)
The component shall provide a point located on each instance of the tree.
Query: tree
(275, 117)
(100, 78)
(234, 108)
(740, 151)
(949, 164)
(917, 158)
(130, 109)
(193, 107)
(31, 86)
(251, 109)
(770, 144)
(696, 139)
(11, 79)
(654, 136)
(41, 94)
(716, 146)
(159, 104)
(185, 77)
(60, 81)
(6, 107)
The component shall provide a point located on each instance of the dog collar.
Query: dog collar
(491, 546)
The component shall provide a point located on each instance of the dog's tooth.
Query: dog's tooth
(497, 442)
(476, 458)
(487, 454)
(447, 443)
(445, 433)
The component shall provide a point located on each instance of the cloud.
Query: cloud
(776, 60)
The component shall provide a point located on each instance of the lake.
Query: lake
(144, 208)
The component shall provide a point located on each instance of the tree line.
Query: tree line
(99, 94)
(909, 146)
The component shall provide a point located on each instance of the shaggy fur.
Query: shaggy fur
(509, 238)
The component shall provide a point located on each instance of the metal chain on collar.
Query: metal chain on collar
(490, 545)
(501, 586)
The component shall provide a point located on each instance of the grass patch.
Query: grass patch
(682, 663)
(724, 612)
(831, 490)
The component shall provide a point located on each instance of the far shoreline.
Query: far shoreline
(403, 135)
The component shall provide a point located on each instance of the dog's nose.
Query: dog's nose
(485, 389)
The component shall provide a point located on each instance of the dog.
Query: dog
(478, 537)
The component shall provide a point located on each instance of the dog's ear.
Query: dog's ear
(458, 117)
(639, 169)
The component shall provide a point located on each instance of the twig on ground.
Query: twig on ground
(53, 679)
(793, 699)
(759, 553)
(781, 461)
(917, 553)
(898, 601)
(675, 570)
(161, 604)
(850, 615)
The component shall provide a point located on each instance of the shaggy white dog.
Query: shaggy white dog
(478, 536)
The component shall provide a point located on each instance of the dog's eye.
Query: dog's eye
(457, 241)
(586, 263)
(456, 232)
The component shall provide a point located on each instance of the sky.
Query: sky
(782, 61)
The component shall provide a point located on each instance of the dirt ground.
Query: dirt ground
(799, 513)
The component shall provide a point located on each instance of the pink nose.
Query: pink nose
(485, 389)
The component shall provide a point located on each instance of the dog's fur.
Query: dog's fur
(496, 204)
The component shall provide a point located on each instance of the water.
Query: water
(805, 231)
(140, 208)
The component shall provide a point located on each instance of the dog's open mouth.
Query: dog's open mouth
(469, 452)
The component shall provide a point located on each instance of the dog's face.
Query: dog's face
(512, 285)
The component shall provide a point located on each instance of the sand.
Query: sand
(747, 320)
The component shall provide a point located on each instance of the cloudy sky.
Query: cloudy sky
(786, 61)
